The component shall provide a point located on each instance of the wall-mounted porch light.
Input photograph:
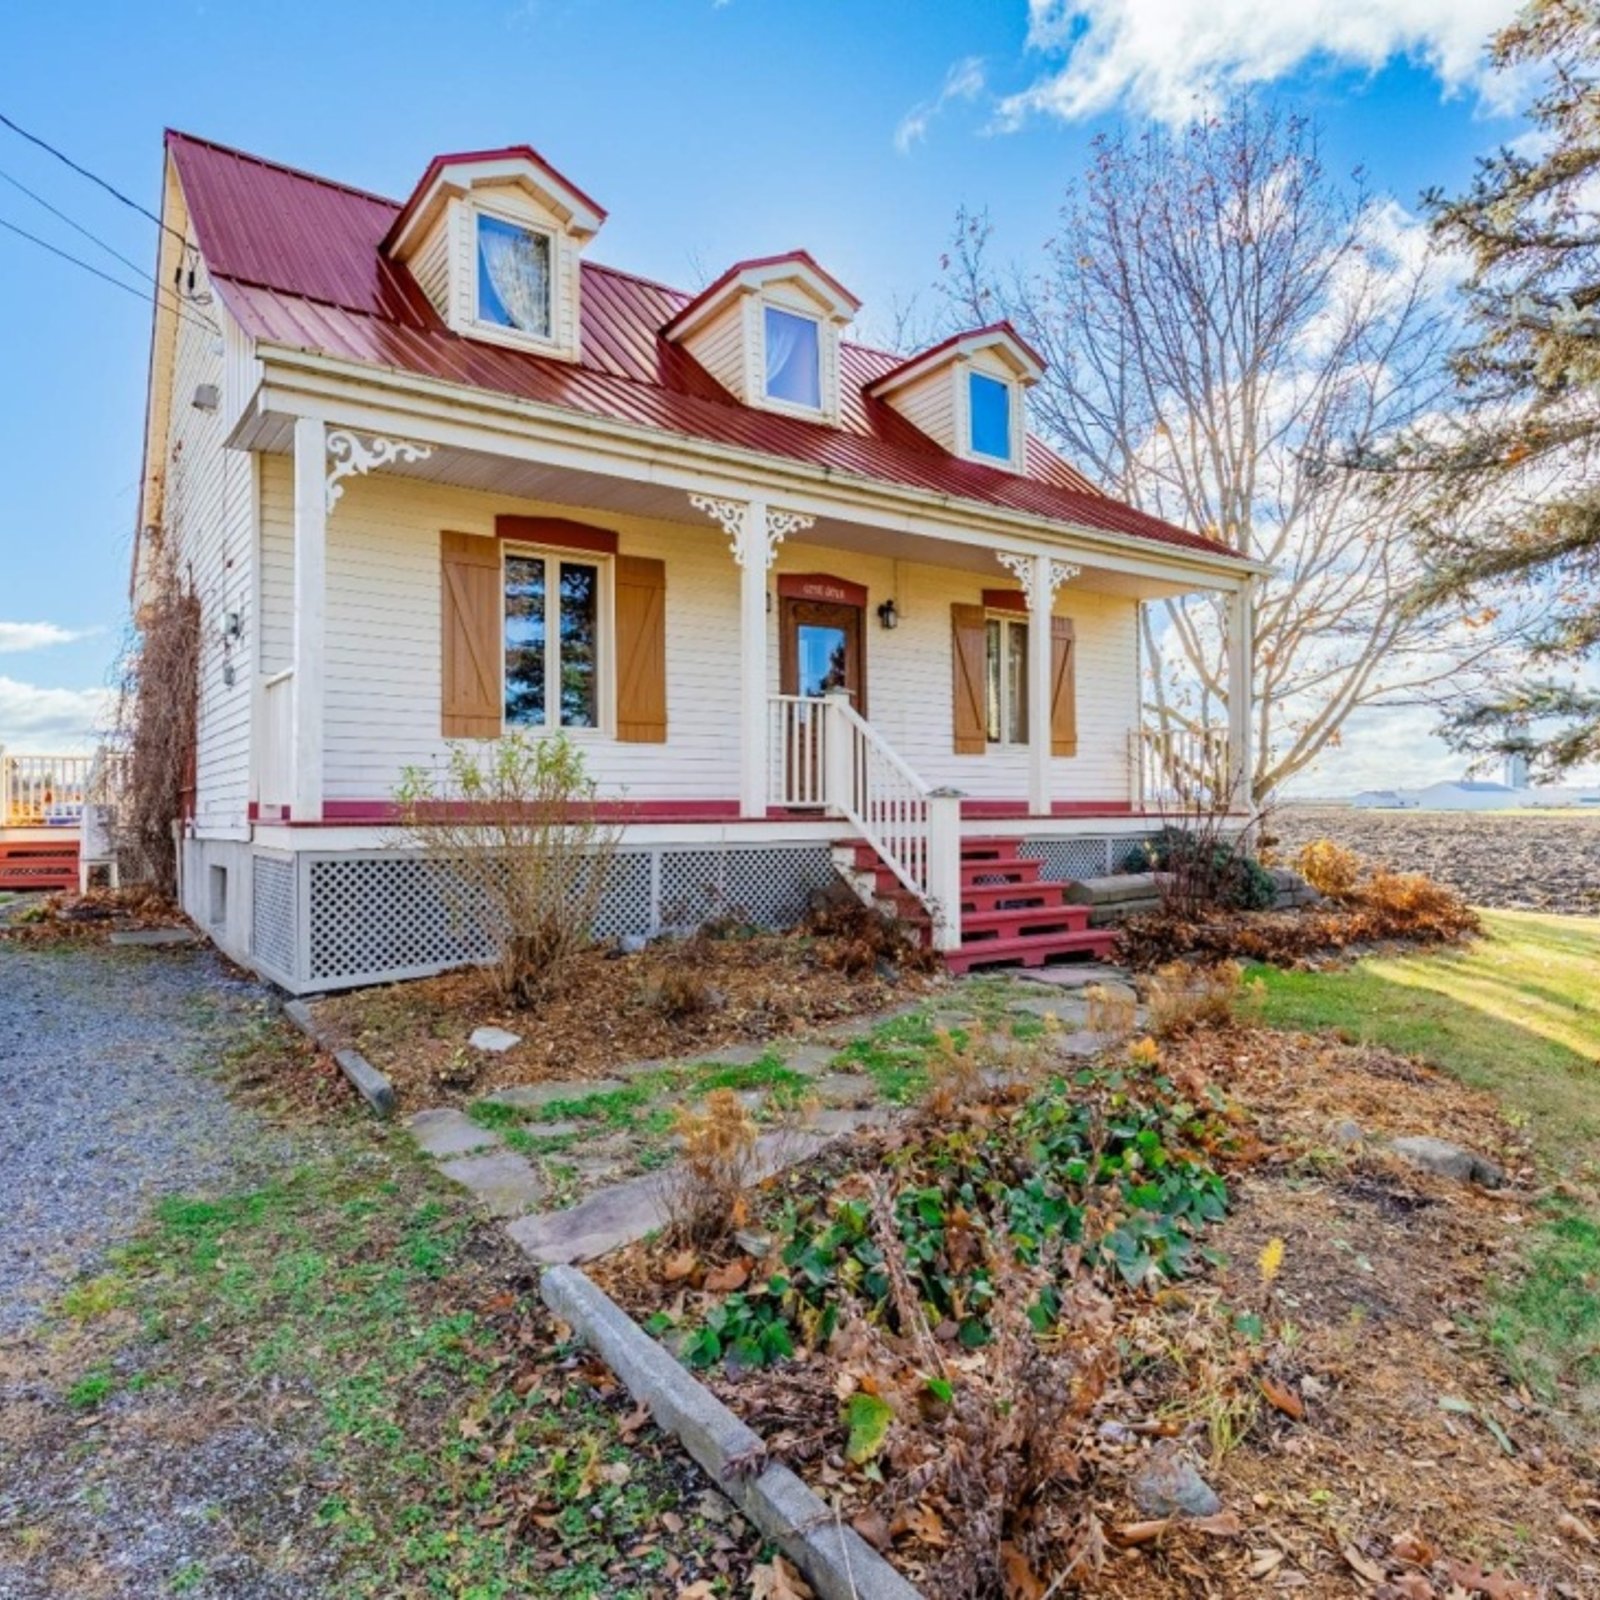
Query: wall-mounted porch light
(889, 615)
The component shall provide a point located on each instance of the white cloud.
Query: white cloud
(51, 721)
(1173, 59)
(964, 81)
(34, 635)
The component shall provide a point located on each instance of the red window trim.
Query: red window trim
(1005, 600)
(557, 532)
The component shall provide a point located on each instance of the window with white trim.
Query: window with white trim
(989, 416)
(515, 276)
(1006, 680)
(554, 626)
(793, 358)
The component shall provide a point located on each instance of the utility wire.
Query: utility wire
(93, 177)
(77, 227)
(119, 283)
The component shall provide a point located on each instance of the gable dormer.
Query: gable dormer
(768, 332)
(493, 238)
(966, 394)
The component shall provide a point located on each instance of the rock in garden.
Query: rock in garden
(1169, 1486)
(1447, 1160)
(1346, 1131)
(495, 1040)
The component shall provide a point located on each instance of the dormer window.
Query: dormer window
(768, 332)
(966, 392)
(493, 239)
(989, 413)
(514, 276)
(794, 358)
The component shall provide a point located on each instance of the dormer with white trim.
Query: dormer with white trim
(966, 394)
(768, 331)
(493, 238)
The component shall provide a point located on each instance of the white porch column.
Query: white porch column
(1040, 577)
(1041, 597)
(1241, 693)
(310, 614)
(754, 531)
(753, 552)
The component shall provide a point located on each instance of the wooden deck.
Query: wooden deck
(38, 860)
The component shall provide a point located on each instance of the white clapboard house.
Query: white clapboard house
(434, 471)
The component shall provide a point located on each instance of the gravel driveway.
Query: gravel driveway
(105, 1102)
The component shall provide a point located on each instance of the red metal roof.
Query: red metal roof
(297, 261)
(802, 258)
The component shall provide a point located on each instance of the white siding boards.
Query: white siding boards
(384, 646)
(208, 513)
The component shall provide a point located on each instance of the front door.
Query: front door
(820, 651)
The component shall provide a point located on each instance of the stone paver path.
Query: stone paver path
(583, 1168)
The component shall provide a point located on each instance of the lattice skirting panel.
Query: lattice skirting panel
(272, 916)
(1067, 860)
(377, 917)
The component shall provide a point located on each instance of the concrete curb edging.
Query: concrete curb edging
(368, 1082)
(835, 1560)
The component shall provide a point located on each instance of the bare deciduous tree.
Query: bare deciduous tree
(1227, 328)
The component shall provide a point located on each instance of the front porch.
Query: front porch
(832, 677)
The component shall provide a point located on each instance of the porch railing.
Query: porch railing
(1183, 769)
(797, 752)
(276, 775)
(40, 791)
(825, 756)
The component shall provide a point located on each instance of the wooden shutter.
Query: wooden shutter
(969, 648)
(472, 633)
(641, 650)
(1063, 688)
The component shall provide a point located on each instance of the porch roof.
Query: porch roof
(298, 262)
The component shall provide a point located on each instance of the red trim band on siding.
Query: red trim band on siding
(821, 586)
(354, 813)
(559, 532)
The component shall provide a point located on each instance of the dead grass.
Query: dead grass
(1334, 1375)
(612, 1010)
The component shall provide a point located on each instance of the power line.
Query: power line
(77, 227)
(93, 177)
(115, 282)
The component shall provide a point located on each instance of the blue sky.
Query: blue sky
(710, 129)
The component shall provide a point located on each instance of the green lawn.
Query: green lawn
(1516, 1013)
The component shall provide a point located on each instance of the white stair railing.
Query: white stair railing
(916, 831)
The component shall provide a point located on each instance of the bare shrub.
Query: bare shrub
(1015, 1430)
(1182, 996)
(1329, 868)
(1112, 1010)
(860, 938)
(681, 993)
(520, 852)
(1203, 865)
(955, 1074)
(156, 711)
(705, 1195)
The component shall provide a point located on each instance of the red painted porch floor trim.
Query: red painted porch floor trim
(356, 813)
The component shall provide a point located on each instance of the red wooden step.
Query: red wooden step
(1094, 943)
(1026, 921)
(37, 866)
